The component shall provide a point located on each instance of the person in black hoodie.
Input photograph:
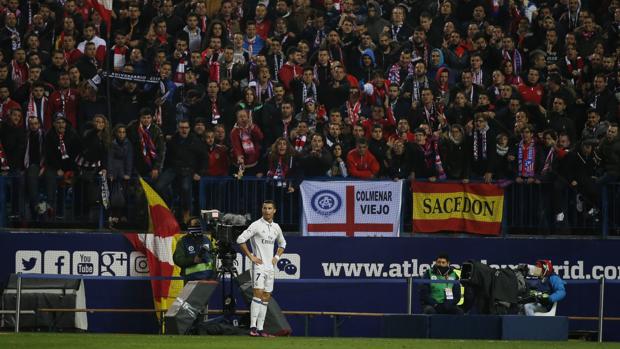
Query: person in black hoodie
(62, 145)
(186, 161)
(316, 160)
(400, 163)
(454, 152)
(92, 163)
(33, 161)
(379, 148)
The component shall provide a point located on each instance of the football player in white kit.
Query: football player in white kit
(262, 235)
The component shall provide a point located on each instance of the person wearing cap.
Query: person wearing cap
(547, 289)
(194, 253)
(62, 144)
(149, 146)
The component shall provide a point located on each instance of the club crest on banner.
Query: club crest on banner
(326, 202)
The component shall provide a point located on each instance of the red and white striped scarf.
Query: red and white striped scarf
(147, 145)
(19, 73)
(179, 74)
(33, 109)
(62, 147)
(300, 143)
(353, 111)
(119, 57)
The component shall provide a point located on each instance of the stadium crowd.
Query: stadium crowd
(495, 90)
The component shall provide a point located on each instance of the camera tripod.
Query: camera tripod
(227, 268)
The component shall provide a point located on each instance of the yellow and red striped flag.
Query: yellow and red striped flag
(158, 245)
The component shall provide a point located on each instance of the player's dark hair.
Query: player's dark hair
(270, 202)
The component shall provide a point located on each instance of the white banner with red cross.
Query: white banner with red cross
(351, 208)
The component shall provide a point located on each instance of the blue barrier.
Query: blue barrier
(527, 209)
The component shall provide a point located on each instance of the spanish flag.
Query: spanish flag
(472, 208)
(158, 245)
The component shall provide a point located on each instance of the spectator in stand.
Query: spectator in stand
(594, 127)
(12, 144)
(92, 164)
(39, 106)
(65, 99)
(454, 150)
(149, 145)
(6, 103)
(218, 156)
(291, 69)
(62, 145)
(483, 147)
(379, 148)
(609, 152)
(90, 35)
(529, 157)
(400, 163)
(186, 160)
(426, 158)
(316, 160)
(281, 164)
(246, 138)
(361, 163)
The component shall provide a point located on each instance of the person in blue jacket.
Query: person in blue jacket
(548, 289)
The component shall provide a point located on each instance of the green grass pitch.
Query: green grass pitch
(121, 341)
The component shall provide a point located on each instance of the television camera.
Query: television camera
(226, 229)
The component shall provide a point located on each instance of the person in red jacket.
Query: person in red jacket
(532, 90)
(65, 99)
(291, 69)
(245, 139)
(219, 159)
(361, 163)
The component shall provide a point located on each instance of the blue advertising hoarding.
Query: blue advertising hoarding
(331, 259)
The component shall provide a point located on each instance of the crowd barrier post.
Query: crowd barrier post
(601, 307)
(18, 300)
(410, 295)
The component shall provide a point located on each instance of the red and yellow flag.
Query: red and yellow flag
(158, 245)
(472, 208)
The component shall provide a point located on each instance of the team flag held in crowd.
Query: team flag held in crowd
(471, 208)
(158, 245)
(351, 208)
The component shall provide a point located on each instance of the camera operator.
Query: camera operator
(262, 234)
(548, 290)
(441, 298)
(193, 253)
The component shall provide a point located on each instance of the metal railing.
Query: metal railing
(528, 209)
(410, 281)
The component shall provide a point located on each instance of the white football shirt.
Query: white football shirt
(263, 236)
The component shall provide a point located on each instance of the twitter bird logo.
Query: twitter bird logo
(28, 261)
(29, 264)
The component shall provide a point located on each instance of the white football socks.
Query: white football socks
(255, 309)
(261, 316)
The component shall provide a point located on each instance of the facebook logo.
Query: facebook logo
(57, 262)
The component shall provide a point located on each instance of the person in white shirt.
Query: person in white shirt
(262, 235)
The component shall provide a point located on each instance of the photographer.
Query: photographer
(193, 253)
(441, 298)
(548, 290)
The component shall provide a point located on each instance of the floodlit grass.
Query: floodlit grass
(120, 341)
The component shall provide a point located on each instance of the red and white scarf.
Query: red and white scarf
(19, 73)
(353, 111)
(215, 112)
(300, 143)
(62, 147)
(33, 110)
(146, 145)
(179, 74)
(120, 54)
(245, 133)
